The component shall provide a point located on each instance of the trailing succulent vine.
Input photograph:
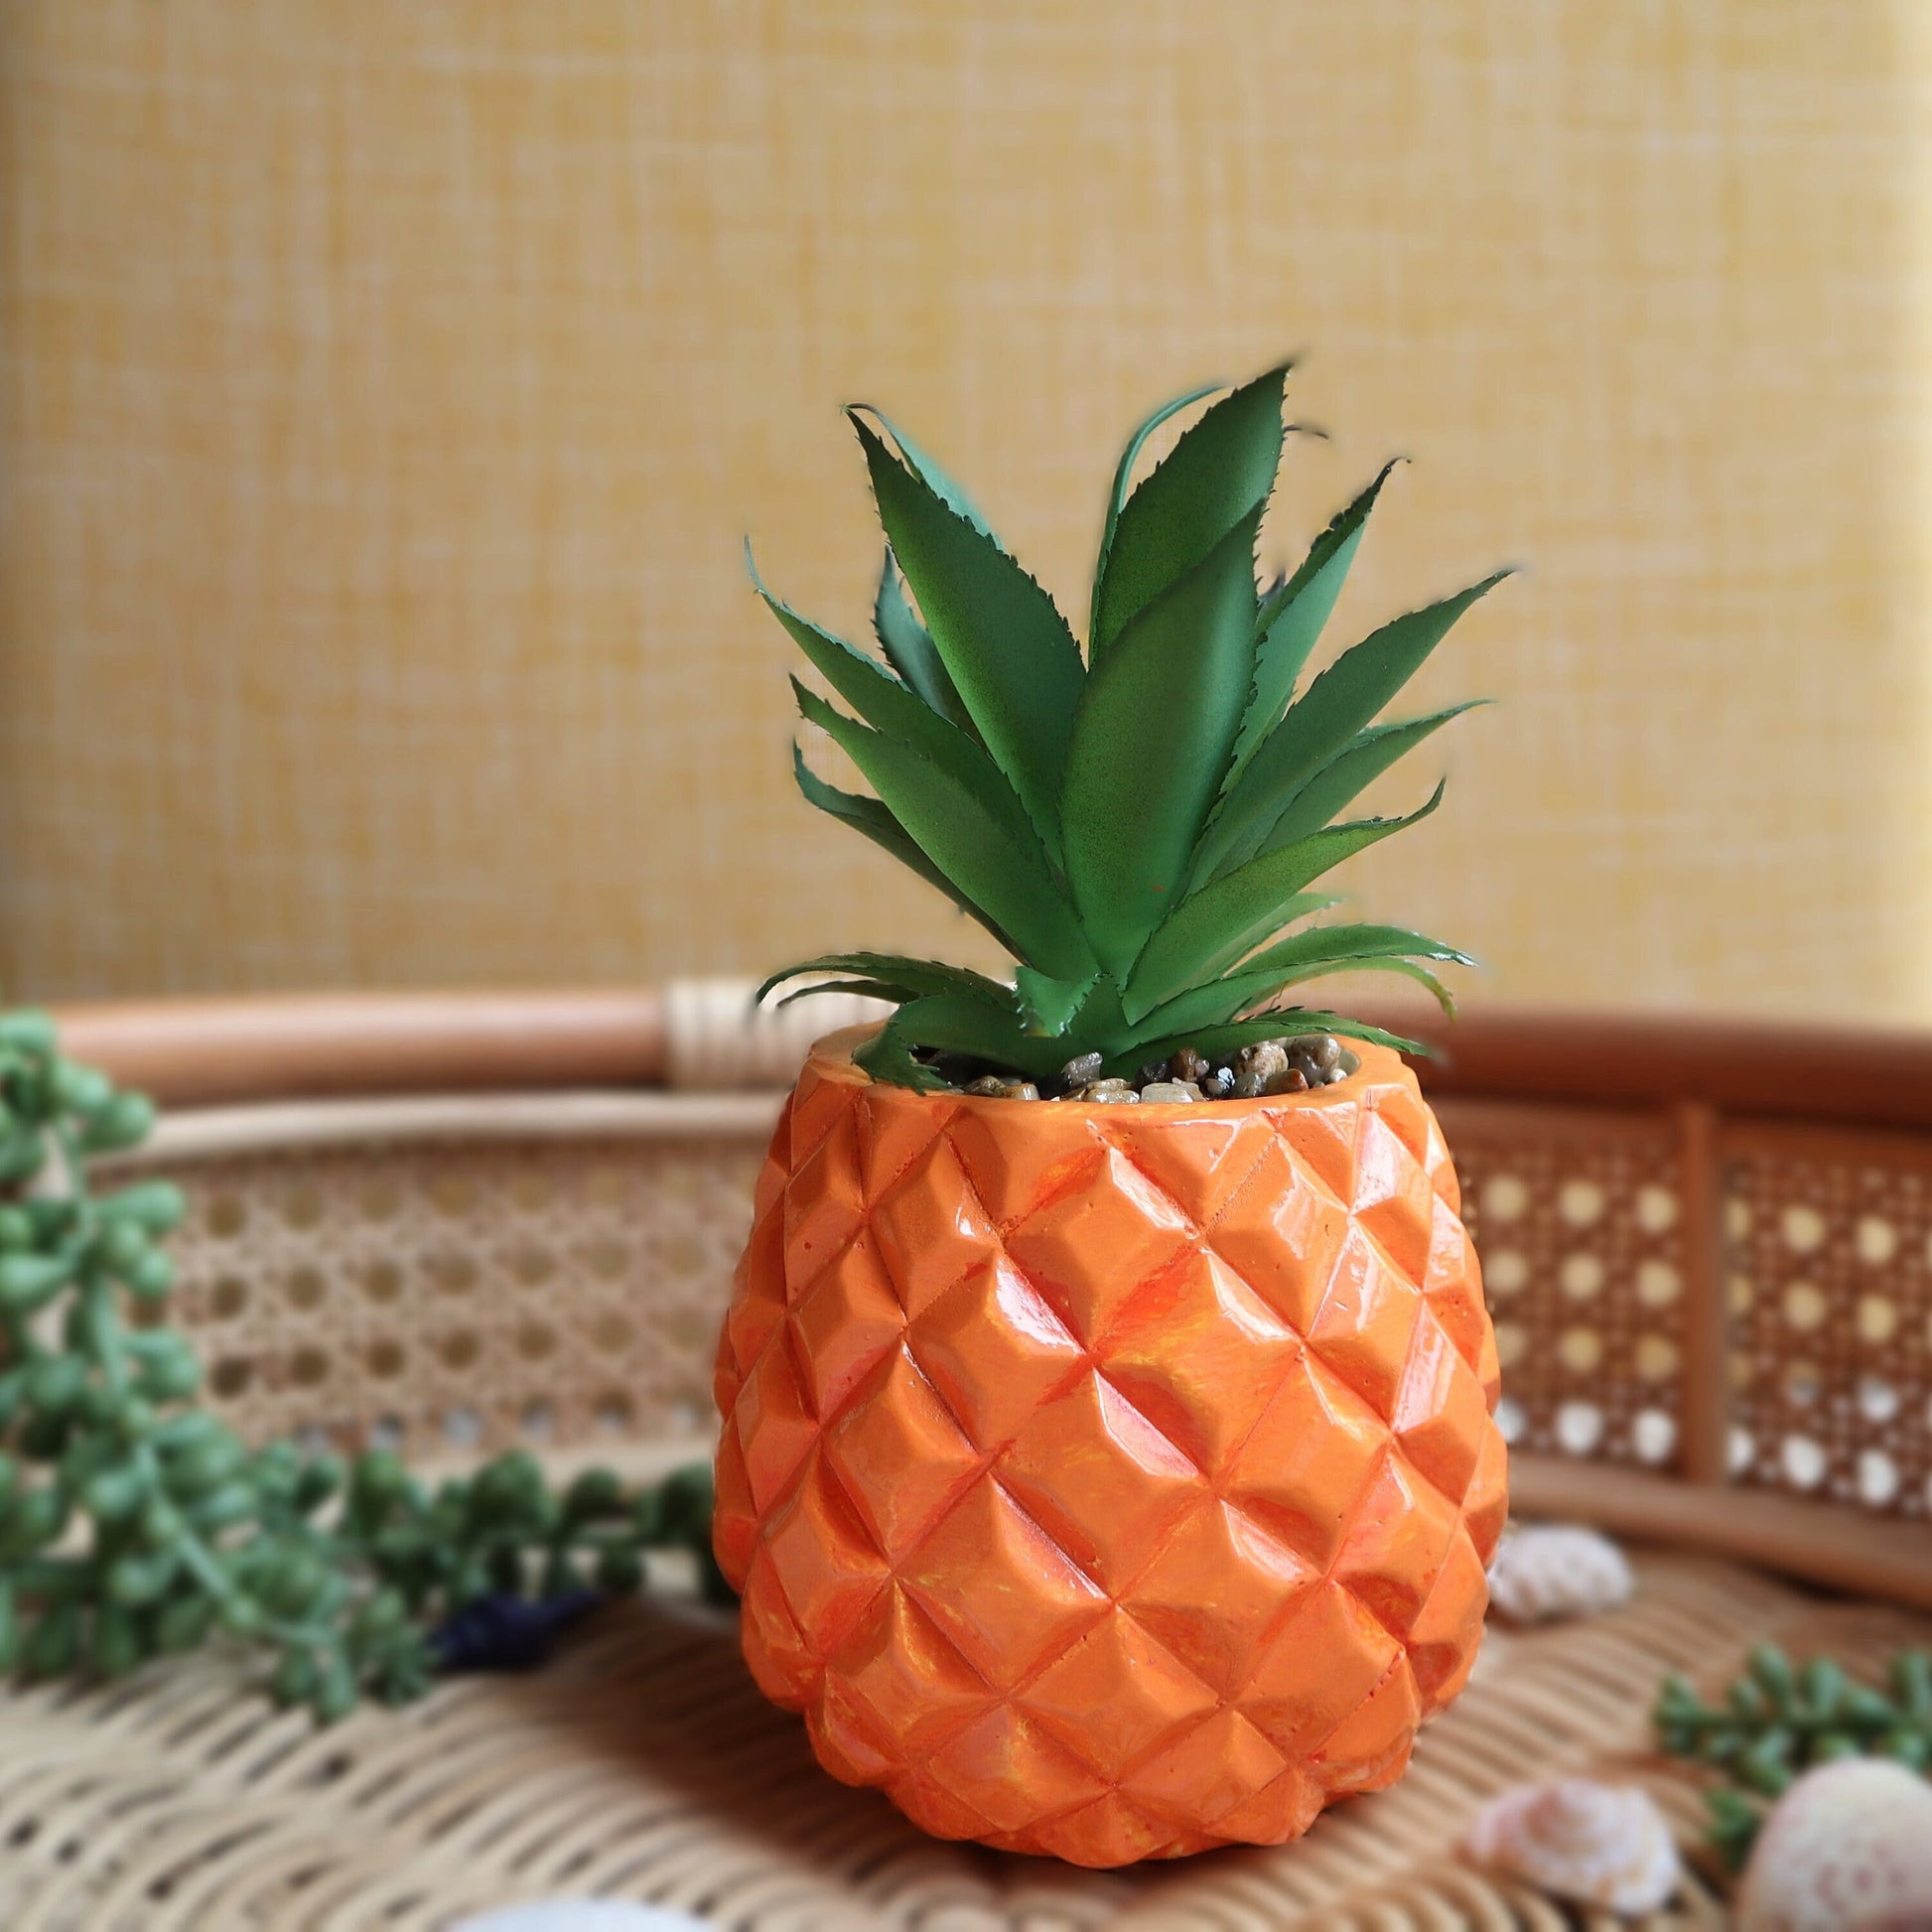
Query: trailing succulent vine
(134, 1524)
(1779, 1719)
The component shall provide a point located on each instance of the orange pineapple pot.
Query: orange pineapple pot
(1108, 1465)
(1102, 1482)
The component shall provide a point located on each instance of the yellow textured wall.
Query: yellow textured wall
(387, 389)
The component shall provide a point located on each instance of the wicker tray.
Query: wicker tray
(375, 1249)
(643, 1765)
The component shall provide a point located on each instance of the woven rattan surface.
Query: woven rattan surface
(451, 1292)
(643, 1765)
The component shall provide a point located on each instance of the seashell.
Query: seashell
(1848, 1849)
(1547, 1571)
(582, 1915)
(1593, 1843)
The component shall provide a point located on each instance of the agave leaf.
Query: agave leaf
(888, 1059)
(1332, 948)
(879, 698)
(872, 988)
(1212, 477)
(1216, 1041)
(959, 1025)
(911, 651)
(920, 975)
(1368, 755)
(1290, 620)
(1124, 477)
(874, 819)
(968, 840)
(1359, 941)
(1151, 740)
(1007, 649)
(1381, 963)
(1213, 927)
(944, 487)
(1093, 1017)
(1219, 1000)
(1048, 1004)
(1335, 707)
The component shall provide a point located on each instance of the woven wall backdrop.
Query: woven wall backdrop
(387, 389)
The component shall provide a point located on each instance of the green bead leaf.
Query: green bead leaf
(1345, 698)
(29, 1281)
(1215, 475)
(1291, 620)
(911, 651)
(155, 1207)
(1216, 925)
(28, 1032)
(1151, 741)
(971, 844)
(1005, 646)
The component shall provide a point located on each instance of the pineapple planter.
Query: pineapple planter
(1110, 1478)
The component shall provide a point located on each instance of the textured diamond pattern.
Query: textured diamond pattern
(1102, 1482)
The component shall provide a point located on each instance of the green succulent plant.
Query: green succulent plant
(133, 1523)
(1138, 825)
(1777, 1719)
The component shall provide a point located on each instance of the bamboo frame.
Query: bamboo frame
(193, 1052)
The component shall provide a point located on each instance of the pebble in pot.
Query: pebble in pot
(1170, 1092)
(1081, 1070)
(1104, 1090)
(995, 1086)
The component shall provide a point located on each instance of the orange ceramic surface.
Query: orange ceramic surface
(1109, 1481)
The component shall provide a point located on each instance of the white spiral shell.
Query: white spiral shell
(1848, 1849)
(1593, 1843)
(1547, 1571)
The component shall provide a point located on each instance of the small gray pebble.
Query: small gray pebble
(1081, 1070)
(1216, 1083)
(1170, 1092)
(1248, 1086)
(986, 1083)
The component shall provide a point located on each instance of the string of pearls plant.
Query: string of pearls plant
(134, 1524)
(1778, 1720)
